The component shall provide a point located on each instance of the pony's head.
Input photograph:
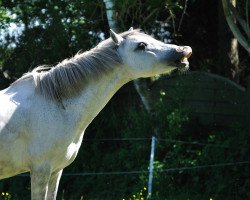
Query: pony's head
(145, 56)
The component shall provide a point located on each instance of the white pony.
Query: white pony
(43, 115)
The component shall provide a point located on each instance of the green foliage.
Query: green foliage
(4, 18)
(50, 32)
(141, 195)
(5, 196)
(185, 144)
(148, 15)
(54, 30)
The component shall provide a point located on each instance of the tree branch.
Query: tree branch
(235, 30)
(182, 16)
(247, 19)
(110, 14)
(238, 17)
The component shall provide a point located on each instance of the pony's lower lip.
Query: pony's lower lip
(186, 63)
(183, 63)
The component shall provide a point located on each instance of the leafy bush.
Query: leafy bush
(181, 143)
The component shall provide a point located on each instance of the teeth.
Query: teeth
(184, 59)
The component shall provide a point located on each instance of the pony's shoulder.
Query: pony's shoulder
(22, 88)
(24, 79)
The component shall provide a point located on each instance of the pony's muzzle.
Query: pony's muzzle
(186, 50)
(184, 53)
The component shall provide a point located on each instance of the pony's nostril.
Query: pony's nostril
(188, 54)
(184, 49)
(179, 49)
(187, 51)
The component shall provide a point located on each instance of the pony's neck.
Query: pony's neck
(95, 96)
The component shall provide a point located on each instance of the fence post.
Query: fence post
(248, 102)
(151, 167)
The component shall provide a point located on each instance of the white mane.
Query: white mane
(69, 76)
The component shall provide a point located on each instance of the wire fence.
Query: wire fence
(152, 171)
(168, 170)
(164, 140)
(177, 169)
(162, 170)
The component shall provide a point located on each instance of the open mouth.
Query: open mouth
(183, 63)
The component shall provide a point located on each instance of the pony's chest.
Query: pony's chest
(72, 152)
(65, 155)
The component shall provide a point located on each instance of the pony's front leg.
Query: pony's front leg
(53, 185)
(40, 177)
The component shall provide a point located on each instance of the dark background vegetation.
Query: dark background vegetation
(55, 30)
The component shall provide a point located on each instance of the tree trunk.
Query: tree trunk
(141, 85)
(228, 56)
(111, 14)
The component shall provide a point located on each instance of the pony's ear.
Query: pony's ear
(117, 39)
(131, 29)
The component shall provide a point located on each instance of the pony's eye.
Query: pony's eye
(141, 46)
